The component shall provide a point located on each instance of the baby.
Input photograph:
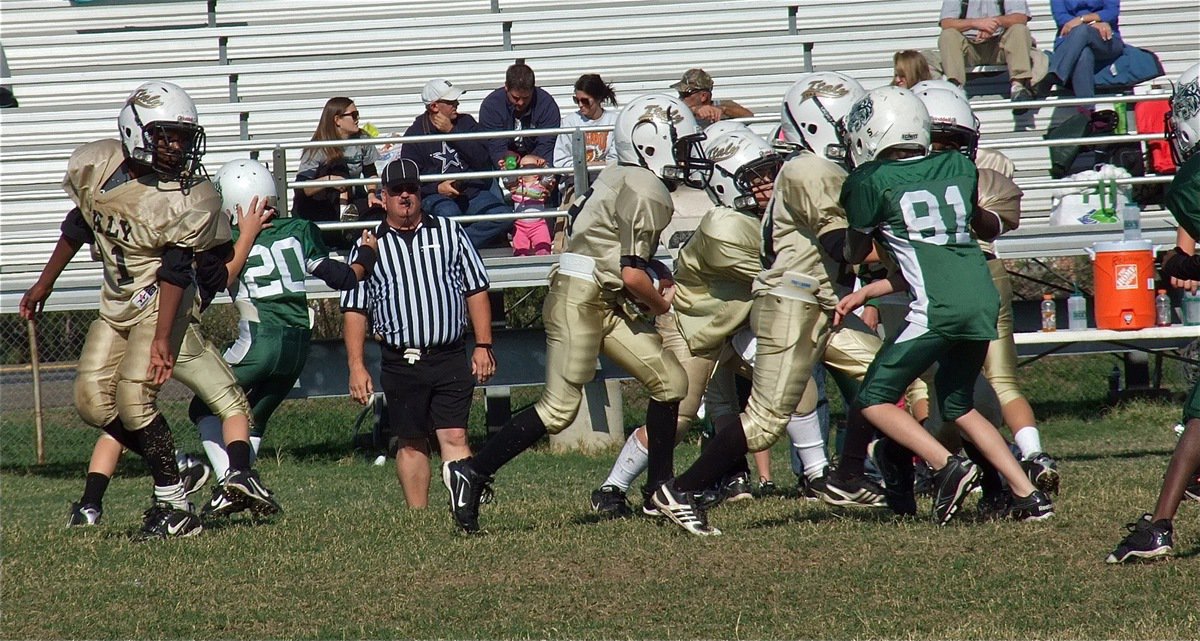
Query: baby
(531, 236)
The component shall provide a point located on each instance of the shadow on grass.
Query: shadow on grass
(830, 516)
(1129, 454)
(130, 467)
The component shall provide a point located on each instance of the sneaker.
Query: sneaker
(899, 478)
(193, 473)
(609, 501)
(766, 488)
(164, 521)
(466, 489)
(951, 485)
(85, 514)
(1147, 540)
(858, 491)
(245, 487)
(1035, 507)
(648, 506)
(221, 504)
(1020, 93)
(737, 488)
(1042, 471)
(995, 507)
(681, 508)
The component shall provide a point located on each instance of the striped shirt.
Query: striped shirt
(416, 297)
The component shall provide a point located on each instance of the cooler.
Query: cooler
(1124, 281)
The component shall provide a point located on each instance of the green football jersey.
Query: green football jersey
(1183, 196)
(922, 209)
(273, 278)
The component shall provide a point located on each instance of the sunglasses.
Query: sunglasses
(352, 114)
(685, 94)
(449, 103)
(583, 102)
(397, 190)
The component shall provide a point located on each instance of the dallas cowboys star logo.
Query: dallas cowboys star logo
(449, 157)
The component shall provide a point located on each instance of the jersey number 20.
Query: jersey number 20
(281, 269)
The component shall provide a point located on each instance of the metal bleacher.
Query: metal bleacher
(260, 72)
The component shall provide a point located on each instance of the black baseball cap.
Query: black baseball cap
(400, 172)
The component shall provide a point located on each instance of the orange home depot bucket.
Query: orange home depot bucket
(1124, 278)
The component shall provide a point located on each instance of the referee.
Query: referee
(428, 280)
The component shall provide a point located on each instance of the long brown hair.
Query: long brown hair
(327, 129)
(912, 66)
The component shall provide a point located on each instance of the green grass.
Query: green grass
(347, 560)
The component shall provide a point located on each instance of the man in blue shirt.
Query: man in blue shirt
(519, 104)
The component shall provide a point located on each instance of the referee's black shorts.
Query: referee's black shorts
(431, 394)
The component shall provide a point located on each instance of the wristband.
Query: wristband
(487, 346)
(366, 258)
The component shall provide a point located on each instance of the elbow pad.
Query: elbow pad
(834, 244)
(75, 228)
(336, 275)
(176, 266)
(1180, 265)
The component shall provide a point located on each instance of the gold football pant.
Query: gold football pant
(202, 369)
(579, 326)
(1000, 366)
(791, 334)
(850, 352)
(698, 368)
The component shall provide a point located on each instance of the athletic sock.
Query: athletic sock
(239, 455)
(724, 451)
(94, 487)
(805, 434)
(214, 444)
(661, 420)
(172, 494)
(852, 464)
(1029, 440)
(158, 449)
(521, 433)
(630, 463)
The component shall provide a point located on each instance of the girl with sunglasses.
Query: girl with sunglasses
(591, 94)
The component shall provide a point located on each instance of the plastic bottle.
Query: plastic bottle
(1191, 308)
(1077, 311)
(1049, 314)
(1131, 221)
(1162, 309)
(1122, 125)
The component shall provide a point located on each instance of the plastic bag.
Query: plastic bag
(1100, 202)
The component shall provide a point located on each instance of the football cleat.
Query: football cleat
(811, 489)
(857, 491)
(193, 473)
(84, 514)
(1035, 507)
(1147, 540)
(737, 488)
(681, 508)
(1042, 471)
(951, 485)
(246, 488)
(766, 488)
(994, 507)
(221, 504)
(164, 521)
(609, 501)
(466, 491)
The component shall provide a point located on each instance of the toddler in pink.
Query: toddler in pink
(531, 236)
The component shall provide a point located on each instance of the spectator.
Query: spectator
(984, 32)
(454, 197)
(910, 68)
(1087, 36)
(428, 280)
(339, 121)
(695, 90)
(591, 94)
(531, 236)
(519, 104)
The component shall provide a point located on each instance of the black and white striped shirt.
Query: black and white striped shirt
(416, 297)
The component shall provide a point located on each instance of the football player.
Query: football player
(601, 295)
(921, 208)
(1150, 537)
(266, 282)
(143, 202)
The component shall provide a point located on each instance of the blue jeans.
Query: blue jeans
(1075, 58)
(485, 202)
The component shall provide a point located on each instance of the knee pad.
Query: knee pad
(557, 412)
(136, 404)
(762, 430)
(96, 405)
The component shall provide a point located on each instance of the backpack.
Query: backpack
(1072, 159)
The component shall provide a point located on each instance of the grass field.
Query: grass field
(348, 561)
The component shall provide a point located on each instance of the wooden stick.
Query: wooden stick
(37, 393)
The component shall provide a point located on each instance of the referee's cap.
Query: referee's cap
(400, 172)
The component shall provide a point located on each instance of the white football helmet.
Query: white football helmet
(722, 127)
(1183, 121)
(886, 118)
(659, 132)
(951, 117)
(814, 109)
(159, 128)
(240, 181)
(741, 160)
(938, 83)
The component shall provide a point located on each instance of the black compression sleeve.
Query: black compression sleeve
(75, 228)
(176, 266)
(212, 273)
(833, 243)
(367, 258)
(339, 276)
(1180, 265)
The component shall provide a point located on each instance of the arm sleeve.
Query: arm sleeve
(176, 266)
(336, 275)
(834, 244)
(562, 151)
(635, 225)
(1180, 265)
(474, 152)
(416, 152)
(548, 117)
(212, 273)
(76, 229)
(475, 278)
(1058, 9)
(1109, 12)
